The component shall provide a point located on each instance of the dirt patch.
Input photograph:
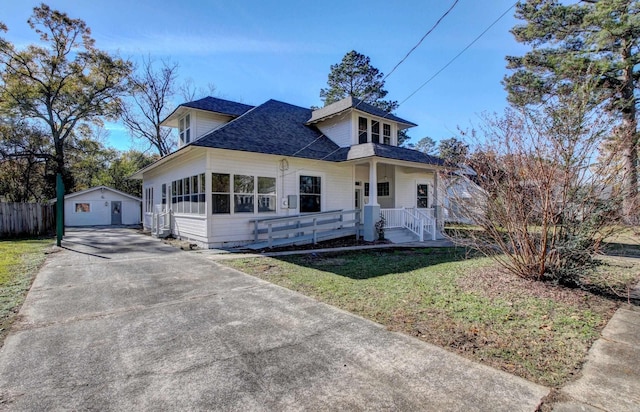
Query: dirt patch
(496, 282)
(180, 244)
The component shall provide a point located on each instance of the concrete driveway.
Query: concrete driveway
(119, 321)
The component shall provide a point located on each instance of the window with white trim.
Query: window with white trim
(266, 194)
(188, 195)
(220, 193)
(185, 129)
(243, 196)
(310, 194)
(363, 125)
(83, 207)
(422, 194)
(386, 133)
(375, 131)
(244, 191)
(383, 189)
(164, 196)
(149, 199)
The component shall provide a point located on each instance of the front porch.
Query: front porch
(403, 194)
(400, 226)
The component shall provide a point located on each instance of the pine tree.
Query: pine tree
(573, 43)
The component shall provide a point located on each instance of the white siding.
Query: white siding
(236, 228)
(206, 122)
(406, 185)
(188, 226)
(338, 129)
(100, 204)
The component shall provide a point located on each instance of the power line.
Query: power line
(421, 40)
(459, 54)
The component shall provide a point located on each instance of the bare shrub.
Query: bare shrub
(542, 198)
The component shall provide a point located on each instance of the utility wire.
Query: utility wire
(459, 54)
(422, 39)
(362, 100)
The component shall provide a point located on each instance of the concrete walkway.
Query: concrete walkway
(119, 321)
(610, 379)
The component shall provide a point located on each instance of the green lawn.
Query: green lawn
(19, 262)
(538, 331)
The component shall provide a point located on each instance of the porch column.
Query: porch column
(437, 209)
(372, 208)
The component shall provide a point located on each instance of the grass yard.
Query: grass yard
(538, 331)
(19, 263)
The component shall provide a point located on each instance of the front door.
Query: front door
(116, 213)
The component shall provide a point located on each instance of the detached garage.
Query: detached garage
(101, 206)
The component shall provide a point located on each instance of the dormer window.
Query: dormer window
(375, 131)
(386, 133)
(362, 129)
(185, 129)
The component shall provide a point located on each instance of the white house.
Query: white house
(241, 167)
(462, 197)
(100, 206)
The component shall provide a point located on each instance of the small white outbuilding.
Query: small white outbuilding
(101, 206)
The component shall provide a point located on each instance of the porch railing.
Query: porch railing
(160, 222)
(418, 221)
(313, 226)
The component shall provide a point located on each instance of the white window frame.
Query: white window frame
(323, 190)
(75, 207)
(429, 192)
(255, 194)
(184, 129)
(148, 199)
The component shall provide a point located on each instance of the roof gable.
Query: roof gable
(352, 103)
(209, 104)
(103, 188)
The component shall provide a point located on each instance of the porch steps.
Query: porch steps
(400, 235)
(302, 240)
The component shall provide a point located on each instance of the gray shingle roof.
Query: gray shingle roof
(279, 128)
(222, 106)
(272, 128)
(385, 151)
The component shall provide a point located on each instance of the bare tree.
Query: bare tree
(190, 92)
(546, 202)
(152, 90)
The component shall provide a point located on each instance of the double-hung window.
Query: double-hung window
(244, 197)
(310, 194)
(148, 199)
(386, 133)
(220, 193)
(362, 129)
(266, 194)
(422, 196)
(375, 131)
(185, 129)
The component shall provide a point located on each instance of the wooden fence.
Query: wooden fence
(26, 219)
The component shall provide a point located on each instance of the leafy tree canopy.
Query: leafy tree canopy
(63, 83)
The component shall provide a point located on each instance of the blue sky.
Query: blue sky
(253, 51)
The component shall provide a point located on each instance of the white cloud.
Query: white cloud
(190, 44)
